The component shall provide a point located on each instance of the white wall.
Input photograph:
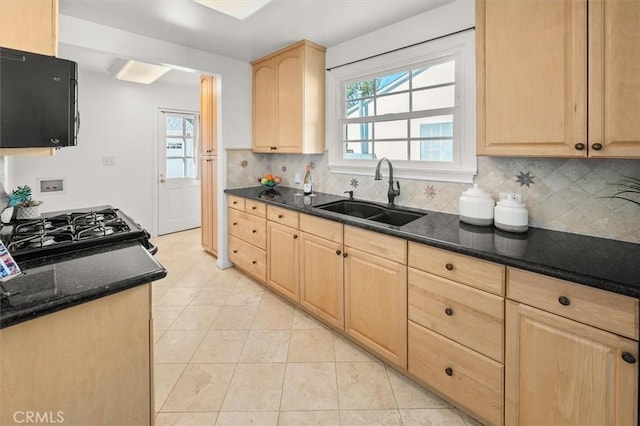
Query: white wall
(118, 119)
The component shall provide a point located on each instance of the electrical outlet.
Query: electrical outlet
(510, 196)
(108, 160)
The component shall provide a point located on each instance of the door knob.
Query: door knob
(162, 178)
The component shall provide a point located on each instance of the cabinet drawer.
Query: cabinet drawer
(609, 311)
(385, 246)
(252, 229)
(284, 216)
(249, 258)
(472, 380)
(323, 228)
(478, 273)
(236, 202)
(468, 316)
(256, 208)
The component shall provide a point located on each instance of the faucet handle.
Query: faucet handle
(350, 194)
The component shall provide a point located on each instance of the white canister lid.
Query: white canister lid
(476, 192)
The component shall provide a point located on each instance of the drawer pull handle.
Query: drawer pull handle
(254, 262)
(449, 371)
(254, 231)
(235, 251)
(338, 252)
(295, 237)
(280, 216)
(448, 311)
(449, 266)
(564, 300)
(627, 357)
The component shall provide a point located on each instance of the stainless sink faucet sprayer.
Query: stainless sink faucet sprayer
(391, 193)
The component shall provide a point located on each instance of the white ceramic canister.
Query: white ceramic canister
(511, 215)
(476, 206)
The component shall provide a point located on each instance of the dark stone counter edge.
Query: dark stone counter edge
(27, 314)
(595, 282)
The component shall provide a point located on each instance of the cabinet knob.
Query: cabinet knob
(449, 266)
(235, 202)
(253, 231)
(344, 254)
(449, 371)
(254, 208)
(338, 252)
(235, 251)
(280, 216)
(579, 146)
(564, 300)
(273, 148)
(448, 311)
(235, 223)
(627, 357)
(208, 150)
(295, 237)
(208, 160)
(596, 146)
(254, 262)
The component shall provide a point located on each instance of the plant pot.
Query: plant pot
(31, 212)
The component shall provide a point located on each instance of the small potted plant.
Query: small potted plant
(26, 207)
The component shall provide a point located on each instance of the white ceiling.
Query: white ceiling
(276, 25)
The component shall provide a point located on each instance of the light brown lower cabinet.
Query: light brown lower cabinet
(283, 258)
(562, 372)
(376, 304)
(89, 364)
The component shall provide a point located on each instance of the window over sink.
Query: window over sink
(415, 106)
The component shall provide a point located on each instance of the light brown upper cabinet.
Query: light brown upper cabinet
(558, 78)
(288, 100)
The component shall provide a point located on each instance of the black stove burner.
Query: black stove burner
(71, 230)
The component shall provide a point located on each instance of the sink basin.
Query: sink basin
(370, 211)
(353, 208)
(396, 217)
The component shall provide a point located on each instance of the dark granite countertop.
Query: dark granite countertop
(53, 283)
(596, 262)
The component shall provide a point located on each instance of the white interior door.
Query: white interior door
(179, 180)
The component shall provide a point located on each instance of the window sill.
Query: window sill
(404, 171)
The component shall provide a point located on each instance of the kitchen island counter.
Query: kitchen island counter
(596, 262)
(57, 282)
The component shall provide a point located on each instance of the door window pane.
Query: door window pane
(181, 145)
(175, 168)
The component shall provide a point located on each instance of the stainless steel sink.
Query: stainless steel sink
(371, 211)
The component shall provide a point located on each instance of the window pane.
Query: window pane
(191, 167)
(396, 150)
(358, 150)
(357, 131)
(189, 127)
(440, 97)
(190, 152)
(434, 75)
(432, 150)
(431, 127)
(175, 147)
(392, 82)
(175, 168)
(174, 125)
(396, 129)
(392, 104)
(360, 108)
(359, 89)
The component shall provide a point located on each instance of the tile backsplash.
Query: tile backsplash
(561, 194)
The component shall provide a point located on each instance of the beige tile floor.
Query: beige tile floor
(229, 352)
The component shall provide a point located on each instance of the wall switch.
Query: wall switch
(108, 160)
(510, 196)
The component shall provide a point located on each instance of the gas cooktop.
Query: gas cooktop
(57, 232)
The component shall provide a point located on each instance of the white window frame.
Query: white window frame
(464, 167)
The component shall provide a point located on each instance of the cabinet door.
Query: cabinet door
(289, 101)
(321, 279)
(283, 260)
(208, 115)
(376, 304)
(531, 78)
(561, 372)
(264, 107)
(30, 25)
(614, 80)
(209, 204)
